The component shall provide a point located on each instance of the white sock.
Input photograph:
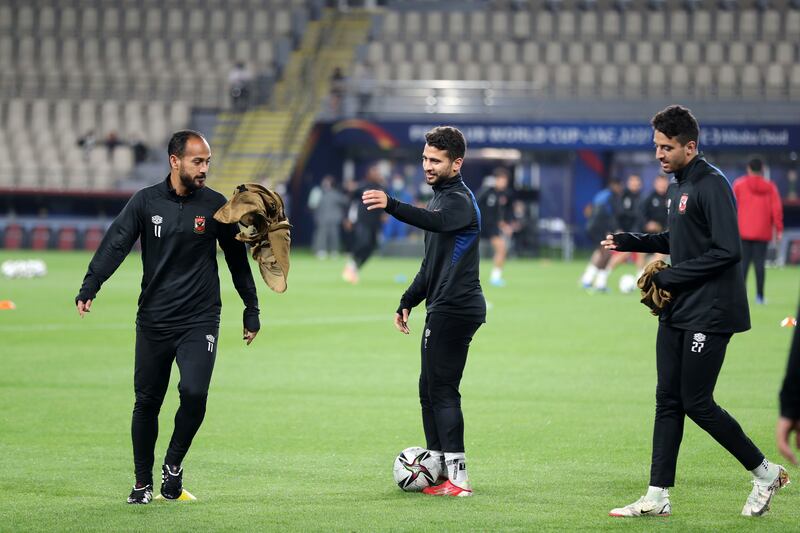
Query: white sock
(602, 279)
(497, 273)
(439, 456)
(657, 493)
(766, 471)
(457, 469)
(589, 274)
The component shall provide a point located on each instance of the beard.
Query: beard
(192, 183)
(436, 179)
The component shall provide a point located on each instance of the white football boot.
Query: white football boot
(643, 507)
(760, 497)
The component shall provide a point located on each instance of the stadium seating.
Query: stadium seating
(136, 68)
(741, 53)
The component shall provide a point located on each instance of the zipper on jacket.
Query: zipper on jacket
(180, 216)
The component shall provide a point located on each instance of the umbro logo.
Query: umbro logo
(699, 342)
(157, 220)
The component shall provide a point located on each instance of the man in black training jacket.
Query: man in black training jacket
(179, 306)
(789, 419)
(708, 306)
(448, 282)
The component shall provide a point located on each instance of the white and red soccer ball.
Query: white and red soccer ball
(415, 469)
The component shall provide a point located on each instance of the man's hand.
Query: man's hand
(248, 335)
(374, 199)
(783, 433)
(401, 322)
(83, 307)
(609, 243)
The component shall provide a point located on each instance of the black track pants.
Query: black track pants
(194, 350)
(755, 252)
(365, 242)
(445, 343)
(688, 364)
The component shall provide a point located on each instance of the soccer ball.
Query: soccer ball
(415, 469)
(627, 283)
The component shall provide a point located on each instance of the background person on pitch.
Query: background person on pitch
(448, 282)
(364, 226)
(629, 219)
(179, 306)
(654, 212)
(498, 223)
(601, 220)
(327, 203)
(760, 220)
(708, 306)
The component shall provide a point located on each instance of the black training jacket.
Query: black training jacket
(180, 282)
(703, 241)
(448, 278)
(790, 391)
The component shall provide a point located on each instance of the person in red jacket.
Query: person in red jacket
(760, 211)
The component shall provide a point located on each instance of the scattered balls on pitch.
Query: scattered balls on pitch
(627, 283)
(415, 469)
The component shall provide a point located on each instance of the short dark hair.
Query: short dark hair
(756, 165)
(177, 143)
(449, 139)
(677, 122)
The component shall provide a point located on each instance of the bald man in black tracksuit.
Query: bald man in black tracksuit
(448, 282)
(709, 305)
(179, 305)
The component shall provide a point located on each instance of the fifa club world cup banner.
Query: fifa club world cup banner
(390, 135)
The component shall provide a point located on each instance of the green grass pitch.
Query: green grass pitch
(302, 426)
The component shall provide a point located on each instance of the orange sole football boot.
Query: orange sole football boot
(447, 489)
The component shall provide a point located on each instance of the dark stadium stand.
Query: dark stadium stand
(146, 68)
(134, 68)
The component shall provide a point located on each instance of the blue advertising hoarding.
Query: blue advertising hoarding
(389, 135)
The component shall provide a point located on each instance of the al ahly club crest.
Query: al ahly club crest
(682, 205)
(199, 224)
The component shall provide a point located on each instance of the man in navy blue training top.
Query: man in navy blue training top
(448, 282)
